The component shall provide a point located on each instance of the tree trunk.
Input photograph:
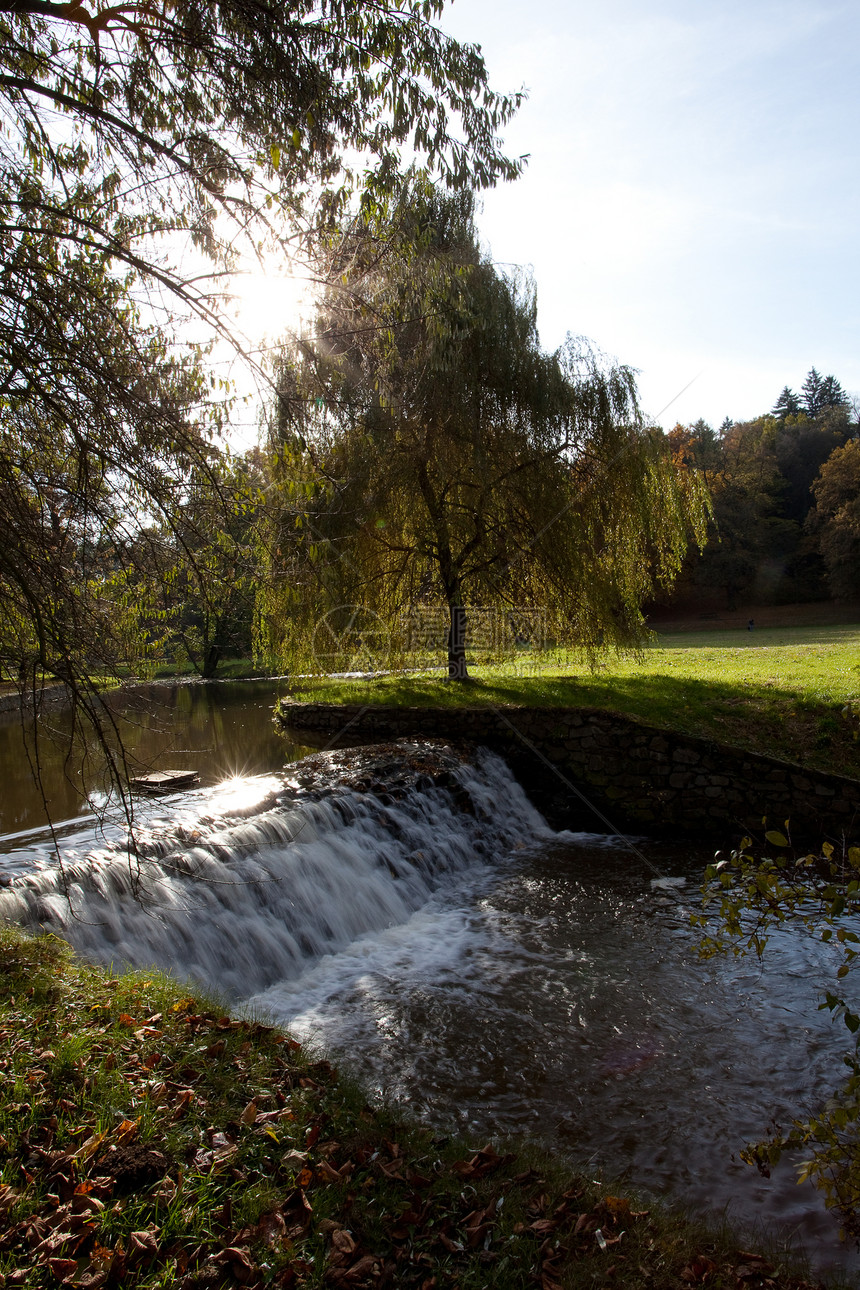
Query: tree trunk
(210, 662)
(457, 670)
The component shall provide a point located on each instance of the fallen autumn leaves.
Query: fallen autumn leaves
(146, 1140)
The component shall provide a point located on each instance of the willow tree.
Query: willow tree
(427, 451)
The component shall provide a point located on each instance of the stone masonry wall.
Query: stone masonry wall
(629, 771)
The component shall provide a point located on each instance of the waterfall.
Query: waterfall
(238, 902)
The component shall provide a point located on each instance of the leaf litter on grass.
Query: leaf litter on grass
(148, 1139)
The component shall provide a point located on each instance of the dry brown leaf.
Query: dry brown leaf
(92, 1280)
(125, 1132)
(362, 1267)
(543, 1226)
(745, 1271)
(240, 1263)
(183, 1100)
(324, 1170)
(272, 1229)
(249, 1114)
(699, 1269)
(63, 1269)
(343, 1242)
(90, 1147)
(144, 1031)
(48, 1247)
(82, 1203)
(8, 1196)
(145, 1242)
(166, 1190)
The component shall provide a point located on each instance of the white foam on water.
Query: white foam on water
(239, 902)
(344, 998)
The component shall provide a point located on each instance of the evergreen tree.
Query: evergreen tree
(813, 395)
(832, 393)
(787, 405)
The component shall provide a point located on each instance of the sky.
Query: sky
(692, 195)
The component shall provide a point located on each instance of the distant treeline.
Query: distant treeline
(786, 498)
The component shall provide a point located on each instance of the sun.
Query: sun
(270, 303)
(263, 307)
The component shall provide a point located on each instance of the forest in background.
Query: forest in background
(785, 490)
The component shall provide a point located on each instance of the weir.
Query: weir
(239, 901)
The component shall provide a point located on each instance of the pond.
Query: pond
(220, 730)
(413, 915)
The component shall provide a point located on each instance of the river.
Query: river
(414, 916)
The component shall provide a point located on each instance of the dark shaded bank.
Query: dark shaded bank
(587, 768)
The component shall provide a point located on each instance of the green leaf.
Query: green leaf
(276, 156)
(776, 838)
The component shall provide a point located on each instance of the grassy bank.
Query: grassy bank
(781, 691)
(148, 1140)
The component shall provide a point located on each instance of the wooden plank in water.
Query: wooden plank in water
(164, 781)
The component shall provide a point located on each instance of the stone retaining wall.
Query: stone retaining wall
(629, 772)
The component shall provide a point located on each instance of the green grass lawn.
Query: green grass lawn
(781, 691)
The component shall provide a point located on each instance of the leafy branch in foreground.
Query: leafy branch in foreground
(745, 898)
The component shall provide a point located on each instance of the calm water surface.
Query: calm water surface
(220, 730)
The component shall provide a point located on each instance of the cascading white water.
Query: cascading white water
(238, 903)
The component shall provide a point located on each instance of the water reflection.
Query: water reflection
(221, 730)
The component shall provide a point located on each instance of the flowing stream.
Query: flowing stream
(411, 913)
